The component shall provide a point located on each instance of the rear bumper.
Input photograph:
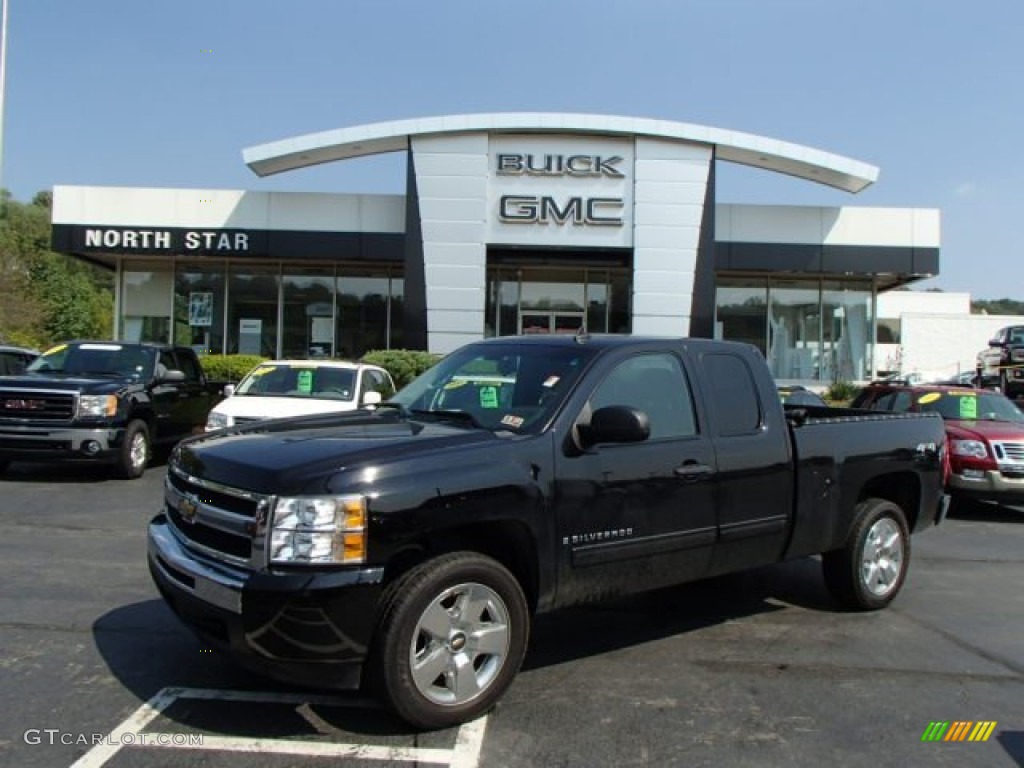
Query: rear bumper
(992, 486)
(303, 628)
(44, 442)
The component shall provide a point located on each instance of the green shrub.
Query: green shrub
(404, 365)
(229, 367)
(841, 391)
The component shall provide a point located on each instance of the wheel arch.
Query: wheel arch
(901, 488)
(509, 542)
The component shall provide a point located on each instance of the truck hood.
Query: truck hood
(87, 385)
(988, 430)
(257, 407)
(301, 455)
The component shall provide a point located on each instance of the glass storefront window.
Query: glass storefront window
(794, 330)
(396, 329)
(146, 295)
(597, 301)
(308, 318)
(741, 311)
(531, 300)
(199, 306)
(252, 309)
(846, 330)
(362, 313)
(620, 310)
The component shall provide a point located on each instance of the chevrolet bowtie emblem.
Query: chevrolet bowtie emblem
(187, 509)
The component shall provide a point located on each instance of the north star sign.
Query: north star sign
(165, 240)
(577, 210)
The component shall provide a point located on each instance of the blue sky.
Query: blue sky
(166, 93)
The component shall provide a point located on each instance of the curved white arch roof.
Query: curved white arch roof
(744, 148)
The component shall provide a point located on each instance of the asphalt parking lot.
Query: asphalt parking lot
(748, 670)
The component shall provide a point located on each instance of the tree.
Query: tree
(997, 307)
(45, 296)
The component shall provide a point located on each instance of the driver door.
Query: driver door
(640, 515)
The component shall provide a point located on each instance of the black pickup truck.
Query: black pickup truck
(1004, 358)
(108, 401)
(406, 549)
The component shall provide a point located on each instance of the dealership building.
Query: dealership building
(510, 224)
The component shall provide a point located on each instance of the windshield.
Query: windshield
(125, 360)
(299, 380)
(502, 387)
(970, 405)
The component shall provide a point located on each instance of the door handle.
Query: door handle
(693, 471)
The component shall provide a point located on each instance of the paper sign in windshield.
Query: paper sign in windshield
(968, 407)
(304, 381)
(488, 397)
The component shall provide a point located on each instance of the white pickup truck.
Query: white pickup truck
(283, 388)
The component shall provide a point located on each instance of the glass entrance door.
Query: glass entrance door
(534, 321)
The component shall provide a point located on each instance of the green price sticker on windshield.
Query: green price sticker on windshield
(304, 381)
(968, 407)
(488, 397)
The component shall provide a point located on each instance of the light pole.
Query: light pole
(3, 82)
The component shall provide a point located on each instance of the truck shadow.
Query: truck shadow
(986, 512)
(608, 626)
(147, 649)
(74, 472)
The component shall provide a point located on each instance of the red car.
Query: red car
(985, 431)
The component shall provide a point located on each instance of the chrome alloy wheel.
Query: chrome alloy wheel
(460, 644)
(138, 451)
(882, 558)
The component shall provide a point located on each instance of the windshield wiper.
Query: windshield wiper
(446, 414)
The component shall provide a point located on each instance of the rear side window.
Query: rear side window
(733, 395)
(189, 367)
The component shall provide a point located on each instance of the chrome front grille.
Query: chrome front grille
(220, 521)
(1009, 455)
(37, 404)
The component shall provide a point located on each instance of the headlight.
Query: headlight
(319, 529)
(974, 449)
(96, 406)
(219, 421)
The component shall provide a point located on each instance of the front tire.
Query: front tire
(135, 451)
(451, 638)
(869, 571)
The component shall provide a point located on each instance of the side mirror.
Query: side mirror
(616, 424)
(994, 343)
(173, 377)
(229, 390)
(372, 398)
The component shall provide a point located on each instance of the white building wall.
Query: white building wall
(894, 304)
(938, 346)
(670, 187)
(451, 179)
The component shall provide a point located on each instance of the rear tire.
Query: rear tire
(869, 571)
(135, 451)
(451, 638)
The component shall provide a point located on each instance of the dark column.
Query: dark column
(702, 311)
(415, 300)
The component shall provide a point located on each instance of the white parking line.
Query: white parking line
(469, 740)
